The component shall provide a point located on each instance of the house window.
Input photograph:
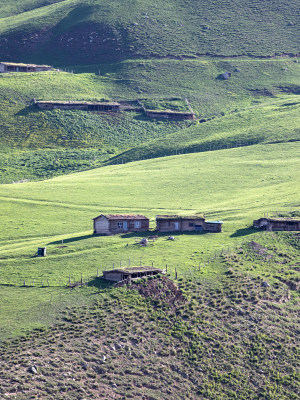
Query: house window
(120, 225)
(137, 224)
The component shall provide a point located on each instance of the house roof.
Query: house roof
(61, 102)
(170, 112)
(12, 64)
(214, 222)
(279, 219)
(133, 270)
(180, 217)
(122, 216)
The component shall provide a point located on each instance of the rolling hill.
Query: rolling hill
(73, 32)
(222, 323)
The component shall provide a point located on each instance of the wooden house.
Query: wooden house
(130, 273)
(277, 224)
(20, 67)
(192, 223)
(111, 224)
(107, 106)
(170, 114)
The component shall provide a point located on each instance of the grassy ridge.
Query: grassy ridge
(98, 30)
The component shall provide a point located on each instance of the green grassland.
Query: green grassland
(228, 335)
(93, 31)
(258, 104)
(235, 185)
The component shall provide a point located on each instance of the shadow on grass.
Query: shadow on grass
(100, 283)
(32, 109)
(243, 232)
(73, 239)
(150, 234)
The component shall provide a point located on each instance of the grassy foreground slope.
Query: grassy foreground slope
(93, 31)
(235, 185)
(226, 338)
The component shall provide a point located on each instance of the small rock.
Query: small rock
(33, 369)
(103, 358)
(84, 366)
(265, 284)
(171, 238)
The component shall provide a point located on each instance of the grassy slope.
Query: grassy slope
(224, 338)
(94, 138)
(235, 185)
(114, 30)
(274, 121)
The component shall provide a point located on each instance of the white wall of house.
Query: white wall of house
(102, 225)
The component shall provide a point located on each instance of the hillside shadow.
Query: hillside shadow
(73, 239)
(243, 232)
(32, 109)
(100, 283)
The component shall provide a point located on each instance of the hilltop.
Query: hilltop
(73, 32)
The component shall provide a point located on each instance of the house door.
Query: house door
(125, 226)
(176, 226)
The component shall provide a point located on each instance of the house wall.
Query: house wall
(283, 226)
(101, 225)
(276, 225)
(113, 276)
(212, 227)
(167, 225)
(186, 225)
(191, 225)
(114, 228)
(2, 68)
(167, 115)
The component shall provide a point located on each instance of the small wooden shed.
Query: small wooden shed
(111, 224)
(277, 224)
(130, 273)
(20, 67)
(192, 223)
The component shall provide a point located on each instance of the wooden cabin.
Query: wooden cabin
(112, 224)
(170, 114)
(19, 67)
(79, 105)
(277, 224)
(193, 223)
(130, 273)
